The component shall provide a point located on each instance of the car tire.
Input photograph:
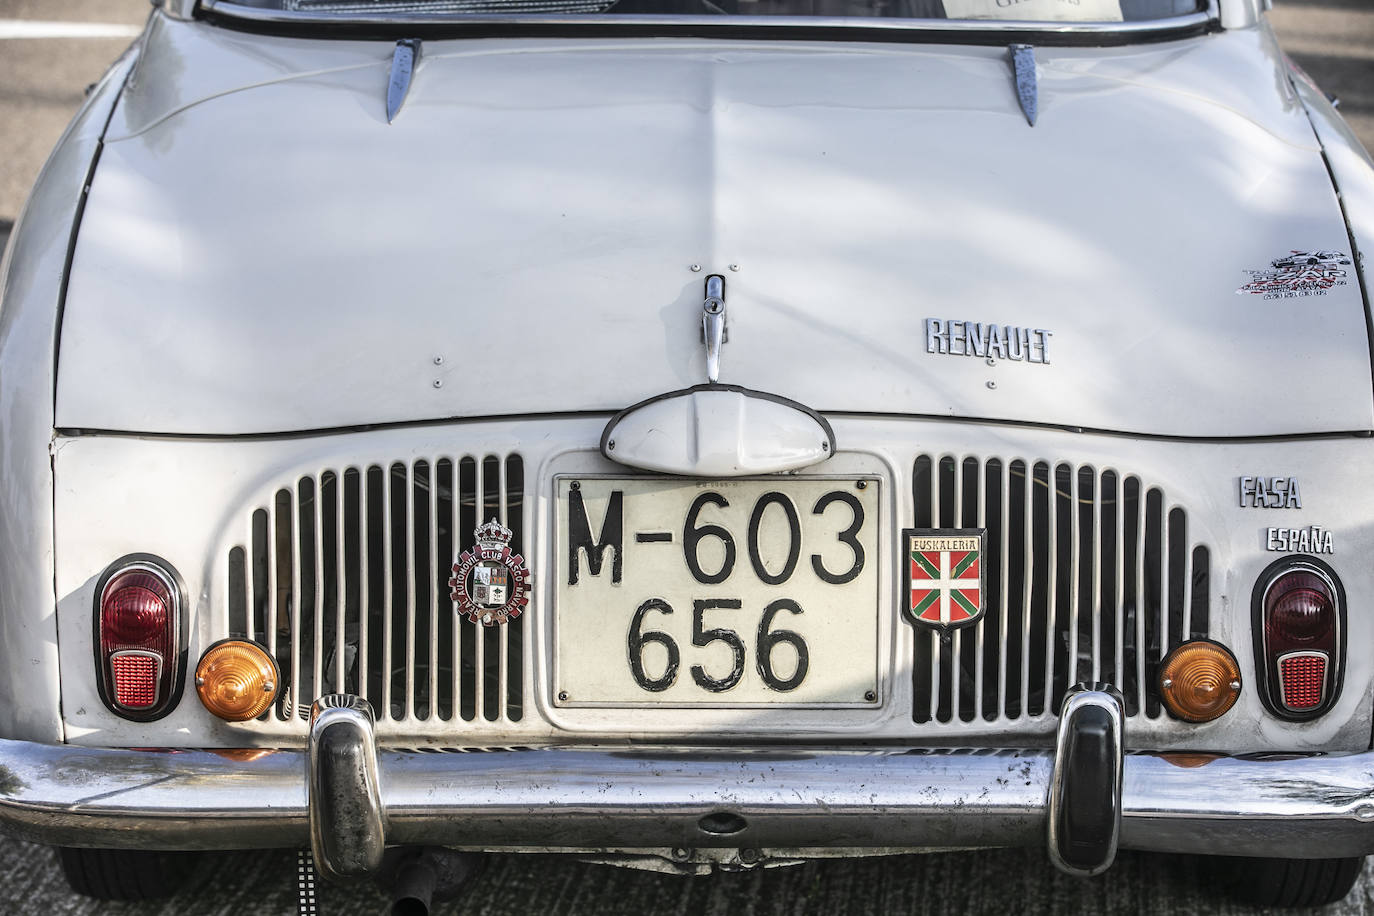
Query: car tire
(124, 874)
(1294, 882)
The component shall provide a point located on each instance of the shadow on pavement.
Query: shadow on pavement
(977, 882)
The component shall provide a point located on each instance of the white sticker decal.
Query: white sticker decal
(1036, 10)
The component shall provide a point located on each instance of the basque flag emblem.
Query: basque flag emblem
(944, 576)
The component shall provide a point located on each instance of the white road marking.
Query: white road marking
(32, 28)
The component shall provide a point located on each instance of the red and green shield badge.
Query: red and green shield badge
(944, 575)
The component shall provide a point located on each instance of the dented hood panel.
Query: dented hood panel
(261, 252)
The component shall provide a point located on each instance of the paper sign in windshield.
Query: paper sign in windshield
(1298, 274)
(1036, 10)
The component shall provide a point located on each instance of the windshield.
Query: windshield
(1012, 10)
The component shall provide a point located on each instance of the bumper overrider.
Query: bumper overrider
(350, 799)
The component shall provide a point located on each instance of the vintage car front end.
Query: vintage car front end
(690, 447)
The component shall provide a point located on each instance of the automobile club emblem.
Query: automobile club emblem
(944, 580)
(490, 584)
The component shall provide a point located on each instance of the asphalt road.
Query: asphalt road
(41, 85)
(988, 883)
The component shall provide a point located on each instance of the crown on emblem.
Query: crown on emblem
(493, 534)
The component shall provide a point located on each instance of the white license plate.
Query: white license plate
(716, 593)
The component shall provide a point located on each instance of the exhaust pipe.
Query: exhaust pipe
(418, 876)
(414, 889)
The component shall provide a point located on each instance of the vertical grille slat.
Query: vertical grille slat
(408, 553)
(491, 638)
(388, 584)
(434, 567)
(318, 549)
(365, 606)
(341, 664)
(1004, 501)
(1098, 546)
(514, 491)
(980, 637)
(479, 654)
(958, 520)
(1027, 584)
(1119, 576)
(503, 677)
(1051, 582)
(1141, 639)
(293, 600)
(470, 510)
(455, 636)
(1201, 580)
(1075, 548)
(1185, 609)
(270, 627)
(1090, 577)
(343, 577)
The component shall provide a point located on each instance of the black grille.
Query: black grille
(345, 580)
(1090, 578)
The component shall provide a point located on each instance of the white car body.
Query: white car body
(236, 279)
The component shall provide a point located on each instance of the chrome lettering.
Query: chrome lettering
(1312, 539)
(974, 342)
(987, 341)
(1269, 493)
(1014, 350)
(997, 343)
(937, 338)
(956, 336)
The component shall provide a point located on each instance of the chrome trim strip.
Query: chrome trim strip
(566, 798)
(848, 27)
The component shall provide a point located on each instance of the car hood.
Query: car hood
(262, 252)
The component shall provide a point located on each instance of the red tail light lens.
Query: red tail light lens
(135, 609)
(1300, 608)
(1302, 677)
(138, 638)
(135, 679)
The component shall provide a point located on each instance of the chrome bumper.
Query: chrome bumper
(1316, 806)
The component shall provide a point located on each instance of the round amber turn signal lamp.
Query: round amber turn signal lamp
(1199, 681)
(237, 680)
